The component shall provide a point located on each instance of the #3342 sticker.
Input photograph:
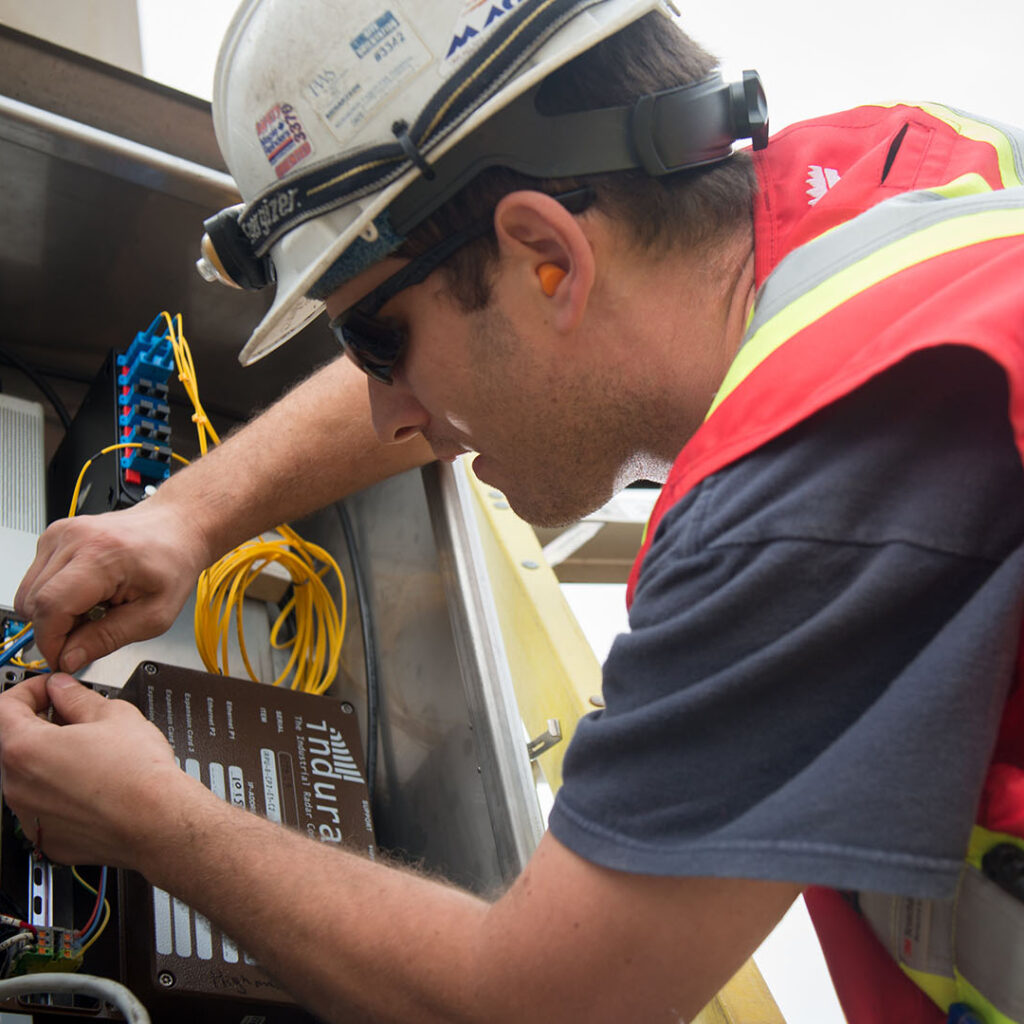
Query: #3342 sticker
(374, 61)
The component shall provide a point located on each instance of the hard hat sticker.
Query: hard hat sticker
(475, 23)
(284, 142)
(379, 59)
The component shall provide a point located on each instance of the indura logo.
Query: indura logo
(477, 19)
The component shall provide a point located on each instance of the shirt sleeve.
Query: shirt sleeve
(821, 644)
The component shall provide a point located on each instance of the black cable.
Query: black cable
(19, 364)
(369, 651)
(229, 416)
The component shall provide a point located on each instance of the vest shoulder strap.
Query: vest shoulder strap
(939, 267)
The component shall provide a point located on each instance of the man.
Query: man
(825, 621)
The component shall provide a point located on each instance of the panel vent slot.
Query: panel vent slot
(22, 484)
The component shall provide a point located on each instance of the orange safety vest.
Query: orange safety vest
(850, 284)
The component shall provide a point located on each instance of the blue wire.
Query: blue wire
(15, 648)
(100, 900)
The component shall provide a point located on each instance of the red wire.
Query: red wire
(92, 917)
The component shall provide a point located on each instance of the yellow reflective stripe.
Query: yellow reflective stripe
(967, 993)
(971, 184)
(942, 991)
(978, 131)
(936, 240)
(982, 840)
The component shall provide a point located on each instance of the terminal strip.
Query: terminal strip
(144, 416)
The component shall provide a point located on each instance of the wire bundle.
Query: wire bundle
(319, 627)
(13, 645)
(93, 928)
(27, 935)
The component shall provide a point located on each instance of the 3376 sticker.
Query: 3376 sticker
(282, 138)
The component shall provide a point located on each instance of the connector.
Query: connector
(150, 462)
(11, 628)
(52, 950)
(150, 356)
(144, 413)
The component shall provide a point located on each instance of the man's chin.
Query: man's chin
(537, 510)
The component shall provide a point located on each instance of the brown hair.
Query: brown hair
(686, 210)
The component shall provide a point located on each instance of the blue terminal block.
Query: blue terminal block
(150, 356)
(144, 414)
(150, 462)
(11, 628)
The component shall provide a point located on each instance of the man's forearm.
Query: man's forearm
(314, 446)
(351, 939)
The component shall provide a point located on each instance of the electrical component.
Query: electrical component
(15, 637)
(127, 403)
(145, 414)
(290, 757)
(48, 950)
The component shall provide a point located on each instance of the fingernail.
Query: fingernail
(73, 660)
(60, 681)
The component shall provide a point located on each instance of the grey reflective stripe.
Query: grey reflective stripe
(916, 933)
(979, 935)
(814, 263)
(1014, 135)
(989, 942)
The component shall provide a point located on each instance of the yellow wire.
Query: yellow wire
(14, 639)
(103, 451)
(18, 662)
(17, 636)
(106, 911)
(315, 649)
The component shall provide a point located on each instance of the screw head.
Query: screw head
(149, 668)
(346, 708)
(166, 979)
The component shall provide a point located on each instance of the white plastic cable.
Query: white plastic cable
(110, 991)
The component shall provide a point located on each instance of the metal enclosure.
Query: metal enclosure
(106, 179)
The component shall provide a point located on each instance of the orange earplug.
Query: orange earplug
(550, 275)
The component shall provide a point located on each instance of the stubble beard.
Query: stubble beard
(575, 453)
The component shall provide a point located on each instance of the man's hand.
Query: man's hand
(141, 562)
(85, 784)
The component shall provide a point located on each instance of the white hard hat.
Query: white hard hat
(334, 118)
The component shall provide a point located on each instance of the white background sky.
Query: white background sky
(813, 58)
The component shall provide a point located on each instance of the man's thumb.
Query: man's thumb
(72, 701)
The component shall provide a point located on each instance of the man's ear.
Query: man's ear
(548, 254)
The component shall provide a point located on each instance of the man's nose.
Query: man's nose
(397, 415)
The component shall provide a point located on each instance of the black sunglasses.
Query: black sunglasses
(375, 346)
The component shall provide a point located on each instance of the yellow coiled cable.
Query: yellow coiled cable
(319, 627)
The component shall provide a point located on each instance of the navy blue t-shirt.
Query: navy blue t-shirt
(821, 644)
